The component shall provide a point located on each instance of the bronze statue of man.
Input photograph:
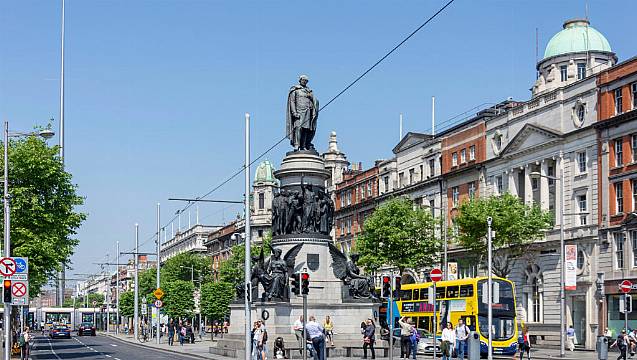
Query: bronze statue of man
(302, 112)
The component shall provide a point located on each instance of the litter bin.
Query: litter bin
(473, 346)
(602, 348)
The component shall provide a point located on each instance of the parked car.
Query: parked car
(60, 331)
(86, 328)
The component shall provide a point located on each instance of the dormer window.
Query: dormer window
(581, 71)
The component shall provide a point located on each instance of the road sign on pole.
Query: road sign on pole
(20, 293)
(435, 275)
(8, 266)
(625, 286)
(158, 303)
(159, 293)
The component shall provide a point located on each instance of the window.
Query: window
(361, 191)
(261, 201)
(401, 179)
(472, 152)
(620, 238)
(454, 159)
(432, 167)
(634, 186)
(581, 161)
(634, 91)
(455, 195)
(342, 196)
(369, 188)
(349, 225)
(349, 198)
(580, 260)
(551, 172)
(618, 101)
(260, 233)
(386, 183)
(498, 184)
(619, 198)
(633, 147)
(581, 203)
(535, 183)
(463, 156)
(432, 207)
(342, 227)
(619, 159)
(563, 73)
(581, 71)
(581, 112)
(411, 176)
(536, 301)
(422, 173)
(633, 240)
(472, 189)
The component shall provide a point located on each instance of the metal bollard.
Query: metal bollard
(473, 346)
(602, 348)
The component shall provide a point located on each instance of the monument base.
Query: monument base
(280, 317)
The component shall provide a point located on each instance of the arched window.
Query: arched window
(534, 294)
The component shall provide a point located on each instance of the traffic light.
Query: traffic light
(296, 283)
(386, 287)
(6, 288)
(397, 280)
(305, 283)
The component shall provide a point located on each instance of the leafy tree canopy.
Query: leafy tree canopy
(216, 298)
(516, 225)
(398, 235)
(127, 303)
(179, 268)
(43, 206)
(179, 301)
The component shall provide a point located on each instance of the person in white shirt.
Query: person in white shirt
(298, 331)
(462, 333)
(448, 340)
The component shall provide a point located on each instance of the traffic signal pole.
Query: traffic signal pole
(304, 322)
(391, 317)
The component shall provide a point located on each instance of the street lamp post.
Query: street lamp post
(46, 134)
(136, 286)
(246, 264)
(562, 274)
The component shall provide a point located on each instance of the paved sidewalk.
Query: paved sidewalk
(200, 349)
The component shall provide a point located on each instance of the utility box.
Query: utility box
(602, 348)
(473, 346)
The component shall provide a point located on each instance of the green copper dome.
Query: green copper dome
(577, 36)
(265, 172)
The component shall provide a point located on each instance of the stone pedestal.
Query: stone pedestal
(327, 296)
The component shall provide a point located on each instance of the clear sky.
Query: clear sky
(156, 90)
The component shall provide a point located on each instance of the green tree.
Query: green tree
(398, 235)
(216, 298)
(147, 284)
(516, 226)
(179, 299)
(179, 268)
(127, 303)
(43, 206)
(231, 269)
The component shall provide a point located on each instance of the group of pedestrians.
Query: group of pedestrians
(184, 331)
(259, 341)
(625, 342)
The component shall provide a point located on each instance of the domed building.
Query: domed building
(574, 53)
(263, 187)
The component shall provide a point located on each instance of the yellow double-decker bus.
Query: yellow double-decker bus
(463, 299)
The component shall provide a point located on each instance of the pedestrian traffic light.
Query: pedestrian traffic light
(305, 283)
(397, 280)
(386, 287)
(6, 288)
(296, 283)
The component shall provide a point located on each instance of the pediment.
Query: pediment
(530, 138)
(410, 139)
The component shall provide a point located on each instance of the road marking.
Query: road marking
(107, 355)
(53, 351)
(113, 345)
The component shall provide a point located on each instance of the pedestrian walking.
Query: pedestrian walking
(369, 338)
(525, 344)
(448, 341)
(298, 332)
(24, 342)
(171, 332)
(415, 338)
(264, 341)
(405, 337)
(202, 331)
(570, 338)
(328, 325)
(314, 333)
(182, 333)
(462, 334)
(622, 344)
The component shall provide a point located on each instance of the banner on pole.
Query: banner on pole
(452, 271)
(570, 263)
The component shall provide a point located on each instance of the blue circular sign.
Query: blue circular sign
(21, 265)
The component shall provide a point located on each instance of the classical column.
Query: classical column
(544, 185)
(559, 162)
(513, 189)
(528, 187)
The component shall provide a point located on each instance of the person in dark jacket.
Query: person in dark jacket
(369, 337)
(171, 332)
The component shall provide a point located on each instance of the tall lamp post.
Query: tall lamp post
(562, 274)
(46, 134)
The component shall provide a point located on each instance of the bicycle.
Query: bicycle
(143, 337)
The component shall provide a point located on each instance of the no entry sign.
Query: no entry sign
(8, 266)
(625, 286)
(19, 289)
(435, 275)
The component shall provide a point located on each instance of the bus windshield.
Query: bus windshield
(503, 327)
(504, 306)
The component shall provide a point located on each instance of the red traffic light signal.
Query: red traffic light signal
(305, 283)
(385, 279)
(385, 291)
(6, 291)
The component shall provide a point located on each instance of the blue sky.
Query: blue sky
(156, 90)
